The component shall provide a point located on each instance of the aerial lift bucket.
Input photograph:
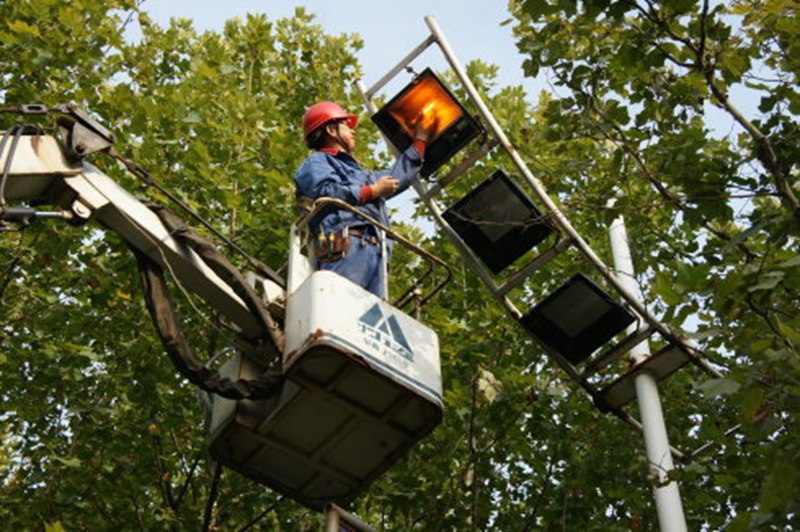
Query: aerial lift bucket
(362, 386)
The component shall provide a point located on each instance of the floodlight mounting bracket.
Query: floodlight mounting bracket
(567, 238)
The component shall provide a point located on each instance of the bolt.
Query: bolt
(80, 210)
(80, 148)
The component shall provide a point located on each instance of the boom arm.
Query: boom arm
(41, 172)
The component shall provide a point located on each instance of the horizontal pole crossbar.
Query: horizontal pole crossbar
(400, 66)
(616, 351)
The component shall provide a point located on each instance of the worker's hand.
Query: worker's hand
(385, 187)
(426, 123)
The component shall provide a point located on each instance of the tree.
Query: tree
(99, 431)
(715, 216)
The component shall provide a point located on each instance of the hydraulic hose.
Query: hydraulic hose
(159, 305)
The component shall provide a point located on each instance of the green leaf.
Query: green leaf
(570, 7)
(489, 385)
(69, 462)
(71, 18)
(776, 355)
(192, 117)
(618, 9)
(791, 263)
(538, 8)
(682, 6)
(581, 71)
(782, 479)
(751, 400)
(767, 281)
(228, 69)
(716, 387)
(788, 331)
(21, 27)
(670, 292)
(747, 233)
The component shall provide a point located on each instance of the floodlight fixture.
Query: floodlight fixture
(454, 128)
(577, 319)
(498, 221)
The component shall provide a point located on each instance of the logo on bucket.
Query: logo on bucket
(384, 332)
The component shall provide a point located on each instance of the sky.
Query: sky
(390, 29)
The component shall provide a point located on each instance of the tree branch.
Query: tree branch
(472, 449)
(9, 274)
(163, 474)
(703, 20)
(262, 515)
(187, 482)
(545, 484)
(652, 16)
(624, 143)
(213, 491)
(137, 510)
(765, 152)
(765, 317)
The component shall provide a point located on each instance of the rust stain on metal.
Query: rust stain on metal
(313, 338)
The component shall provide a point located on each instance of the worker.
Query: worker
(348, 245)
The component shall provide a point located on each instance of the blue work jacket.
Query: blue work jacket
(340, 176)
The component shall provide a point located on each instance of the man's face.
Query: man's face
(344, 134)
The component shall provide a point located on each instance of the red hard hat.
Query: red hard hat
(321, 113)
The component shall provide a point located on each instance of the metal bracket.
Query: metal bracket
(81, 133)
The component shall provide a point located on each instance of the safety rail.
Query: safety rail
(338, 520)
(412, 294)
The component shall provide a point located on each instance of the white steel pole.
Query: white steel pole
(659, 457)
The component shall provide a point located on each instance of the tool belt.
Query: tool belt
(334, 246)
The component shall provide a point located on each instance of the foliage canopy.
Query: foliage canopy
(98, 431)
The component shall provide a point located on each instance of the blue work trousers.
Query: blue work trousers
(361, 264)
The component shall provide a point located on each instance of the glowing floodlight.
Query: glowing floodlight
(455, 128)
(498, 221)
(577, 319)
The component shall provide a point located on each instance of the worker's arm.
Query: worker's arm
(405, 168)
(317, 179)
(409, 164)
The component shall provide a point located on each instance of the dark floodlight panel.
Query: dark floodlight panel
(498, 221)
(455, 128)
(577, 319)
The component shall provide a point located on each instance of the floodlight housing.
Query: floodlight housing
(577, 319)
(498, 221)
(455, 128)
